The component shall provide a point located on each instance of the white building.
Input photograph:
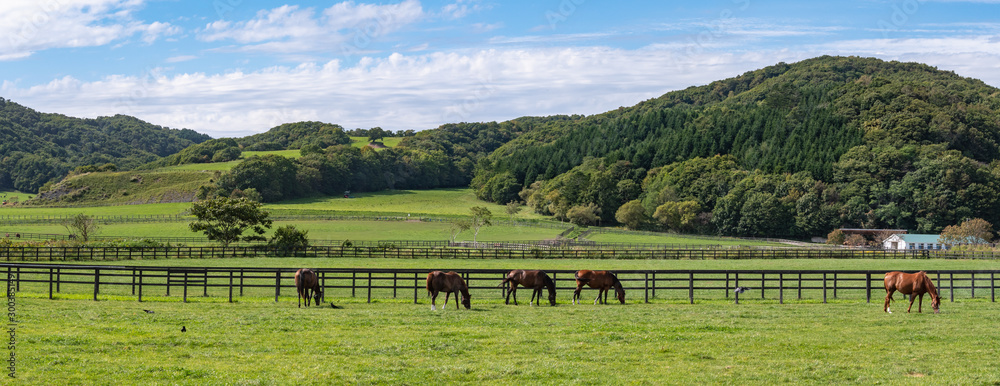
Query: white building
(913, 242)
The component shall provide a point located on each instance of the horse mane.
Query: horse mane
(929, 284)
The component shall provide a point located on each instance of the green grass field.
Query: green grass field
(674, 239)
(78, 341)
(387, 141)
(437, 202)
(319, 230)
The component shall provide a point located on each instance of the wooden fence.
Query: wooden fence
(142, 283)
(20, 253)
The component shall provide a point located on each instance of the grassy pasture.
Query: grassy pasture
(320, 230)
(257, 341)
(387, 141)
(437, 202)
(21, 196)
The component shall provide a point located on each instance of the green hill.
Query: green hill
(36, 148)
(826, 142)
(123, 188)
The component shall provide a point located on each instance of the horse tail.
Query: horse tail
(576, 275)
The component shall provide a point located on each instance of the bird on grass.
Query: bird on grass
(148, 311)
(740, 290)
(334, 306)
(183, 329)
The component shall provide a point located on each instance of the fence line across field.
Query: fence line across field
(676, 285)
(83, 253)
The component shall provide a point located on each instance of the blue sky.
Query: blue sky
(230, 68)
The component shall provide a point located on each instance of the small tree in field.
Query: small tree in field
(457, 227)
(481, 216)
(225, 220)
(513, 208)
(81, 227)
(288, 237)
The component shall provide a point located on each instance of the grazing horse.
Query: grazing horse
(438, 281)
(603, 281)
(536, 280)
(307, 281)
(914, 284)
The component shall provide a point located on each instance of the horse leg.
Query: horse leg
(920, 304)
(507, 292)
(446, 296)
(888, 298)
(536, 293)
(576, 293)
(599, 292)
(513, 289)
(434, 296)
(911, 303)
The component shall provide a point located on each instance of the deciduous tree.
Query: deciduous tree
(225, 220)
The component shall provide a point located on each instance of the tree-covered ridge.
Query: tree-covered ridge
(783, 118)
(36, 148)
(295, 136)
(805, 147)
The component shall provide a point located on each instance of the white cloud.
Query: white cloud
(292, 29)
(424, 90)
(462, 8)
(28, 26)
(181, 58)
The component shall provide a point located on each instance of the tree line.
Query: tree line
(786, 151)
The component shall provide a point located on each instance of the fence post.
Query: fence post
(416, 282)
(241, 282)
(97, 282)
(185, 286)
(781, 288)
(824, 288)
(205, 293)
(972, 283)
(691, 287)
(394, 285)
(354, 280)
(646, 286)
(951, 286)
(736, 295)
(140, 286)
(50, 283)
(277, 285)
(369, 286)
(868, 287)
(834, 285)
(762, 285)
(230, 286)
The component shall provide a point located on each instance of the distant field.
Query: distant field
(320, 230)
(448, 202)
(387, 141)
(296, 153)
(111, 210)
(6, 195)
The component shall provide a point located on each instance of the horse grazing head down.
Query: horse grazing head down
(307, 285)
(603, 281)
(913, 284)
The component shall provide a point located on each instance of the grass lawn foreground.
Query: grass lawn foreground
(387, 342)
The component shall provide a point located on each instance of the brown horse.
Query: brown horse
(603, 281)
(913, 284)
(307, 281)
(438, 281)
(536, 280)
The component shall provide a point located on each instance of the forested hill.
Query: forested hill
(859, 126)
(36, 148)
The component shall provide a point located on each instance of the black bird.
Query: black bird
(334, 307)
(183, 329)
(740, 290)
(148, 311)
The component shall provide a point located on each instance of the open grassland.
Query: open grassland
(7, 195)
(387, 141)
(437, 202)
(170, 209)
(257, 341)
(224, 166)
(319, 230)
